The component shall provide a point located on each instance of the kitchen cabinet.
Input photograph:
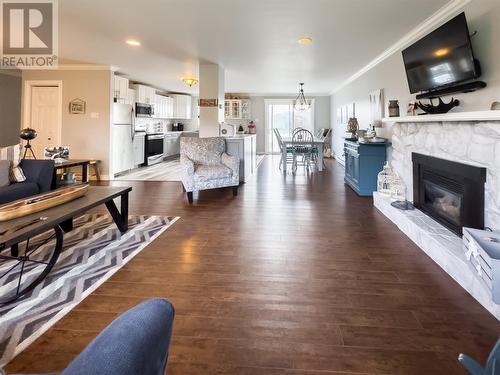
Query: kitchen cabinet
(244, 147)
(363, 162)
(163, 107)
(120, 92)
(130, 97)
(139, 144)
(172, 144)
(181, 106)
(237, 109)
(144, 94)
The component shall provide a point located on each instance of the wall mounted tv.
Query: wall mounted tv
(443, 61)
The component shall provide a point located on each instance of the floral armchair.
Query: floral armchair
(205, 165)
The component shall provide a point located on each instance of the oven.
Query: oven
(154, 148)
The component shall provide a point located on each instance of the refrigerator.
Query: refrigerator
(122, 137)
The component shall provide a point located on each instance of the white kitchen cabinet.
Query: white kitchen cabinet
(244, 147)
(163, 107)
(182, 106)
(144, 94)
(139, 149)
(169, 103)
(130, 97)
(237, 109)
(120, 92)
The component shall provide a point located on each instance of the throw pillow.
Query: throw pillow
(13, 154)
(4, 173)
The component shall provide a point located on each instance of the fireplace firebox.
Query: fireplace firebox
(451, 193)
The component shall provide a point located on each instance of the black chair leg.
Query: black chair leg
(190, 196)
(235, 191)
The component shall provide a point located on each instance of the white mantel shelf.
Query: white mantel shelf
(448, 117)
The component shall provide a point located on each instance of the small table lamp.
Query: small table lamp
(28, 134)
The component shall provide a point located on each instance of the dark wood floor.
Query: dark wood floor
(296, 275)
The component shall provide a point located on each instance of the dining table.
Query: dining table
(318, 142)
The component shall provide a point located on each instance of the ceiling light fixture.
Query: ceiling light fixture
(305, 41)
(190, 81)
(301, 103)
(133, 42)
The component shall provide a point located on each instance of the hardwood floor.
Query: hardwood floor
(296, 275)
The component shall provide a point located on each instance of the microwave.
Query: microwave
(143, 110)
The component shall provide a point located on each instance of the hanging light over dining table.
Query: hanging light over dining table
(301, 103)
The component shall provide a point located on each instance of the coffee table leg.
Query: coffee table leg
(85, 173)
(23, 263)
(67, 226)
(120, 218)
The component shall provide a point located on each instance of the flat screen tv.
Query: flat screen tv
(441, 59)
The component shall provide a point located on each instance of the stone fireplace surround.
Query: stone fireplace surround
(472, 142)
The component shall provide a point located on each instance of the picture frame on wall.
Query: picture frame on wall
(376, 108)
(77, 106)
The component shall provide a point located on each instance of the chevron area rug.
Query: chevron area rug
(93, 251)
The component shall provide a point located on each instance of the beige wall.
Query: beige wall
(10, 107)
(483, 16)
(87, 136)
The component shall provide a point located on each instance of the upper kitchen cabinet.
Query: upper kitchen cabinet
(144, 94)
(182, 106)
(120, 92)
(164, 107)
(237, 109)
(130, 97)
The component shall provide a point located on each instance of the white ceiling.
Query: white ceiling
(254, 40)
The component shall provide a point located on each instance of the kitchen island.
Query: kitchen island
(245, 147)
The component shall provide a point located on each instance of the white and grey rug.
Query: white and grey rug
(92, 252)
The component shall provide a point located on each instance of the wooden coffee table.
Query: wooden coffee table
(58, 220)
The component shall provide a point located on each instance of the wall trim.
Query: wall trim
(84, 67)
(451, 9)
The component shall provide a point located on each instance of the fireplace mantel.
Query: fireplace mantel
(476, 116)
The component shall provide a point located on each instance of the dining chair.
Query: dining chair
(303, 144)
(289, 150)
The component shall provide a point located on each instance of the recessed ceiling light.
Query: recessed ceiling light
(305, 41)
(133, 42)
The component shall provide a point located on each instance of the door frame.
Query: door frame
(28, 85)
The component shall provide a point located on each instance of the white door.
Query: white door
(45, 114)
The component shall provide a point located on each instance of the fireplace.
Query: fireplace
(451, 193)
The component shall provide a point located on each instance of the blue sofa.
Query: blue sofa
(39, 175)
(135, 343)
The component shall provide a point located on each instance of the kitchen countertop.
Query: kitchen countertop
(240, 136)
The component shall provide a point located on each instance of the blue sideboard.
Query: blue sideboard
(363, 162)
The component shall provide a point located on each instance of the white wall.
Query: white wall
(321, 115)
(483, 16)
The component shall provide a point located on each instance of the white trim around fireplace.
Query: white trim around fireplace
(476, 116)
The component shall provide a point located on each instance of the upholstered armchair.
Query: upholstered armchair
(205, 165)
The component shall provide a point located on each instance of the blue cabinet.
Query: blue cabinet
(363, 162)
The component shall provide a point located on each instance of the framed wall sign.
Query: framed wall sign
(208, 102)
(77, 106)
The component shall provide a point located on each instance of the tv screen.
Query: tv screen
(442, 58)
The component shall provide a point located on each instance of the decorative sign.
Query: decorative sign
(208, 102)
(77, 107)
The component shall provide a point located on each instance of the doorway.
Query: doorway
(281, 115)
(43, 112)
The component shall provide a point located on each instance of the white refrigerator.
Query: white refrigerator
(122, 137)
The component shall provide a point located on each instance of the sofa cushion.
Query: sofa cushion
(13, 153)
(205, 151)
(17, 191)
(211, 172)
(4, 173)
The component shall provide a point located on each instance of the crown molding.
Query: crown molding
(452, 8)
(85, 67)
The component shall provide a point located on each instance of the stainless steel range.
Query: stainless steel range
(154, 148)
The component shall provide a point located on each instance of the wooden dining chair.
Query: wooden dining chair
(303, 145)
(289, 151)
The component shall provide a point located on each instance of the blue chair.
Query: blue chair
(492, 364)
(136, 342)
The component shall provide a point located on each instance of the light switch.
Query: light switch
(94, 114)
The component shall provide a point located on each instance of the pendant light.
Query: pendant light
(301, 103)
